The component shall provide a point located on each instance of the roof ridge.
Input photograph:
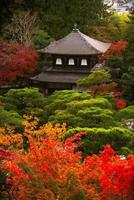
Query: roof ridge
(87, 41)
(76, 42)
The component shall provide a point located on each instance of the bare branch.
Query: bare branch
(23, 27)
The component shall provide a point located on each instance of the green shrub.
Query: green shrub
(66, 96)
(88, 117)
(10, 118)
(109, 97)
(74, 106)
(24, 101)
(96, 138)
(78, 109)
(59, 100)
(96, 117)
(126, 113)
(63, 116)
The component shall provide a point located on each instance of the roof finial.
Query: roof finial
(75, 29)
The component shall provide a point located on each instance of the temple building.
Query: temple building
(71, 58)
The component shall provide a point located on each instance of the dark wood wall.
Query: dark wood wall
(91, 60)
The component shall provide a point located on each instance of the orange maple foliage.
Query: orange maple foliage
(48, 172)
(53, 171)
(11, 139)
(31, 128)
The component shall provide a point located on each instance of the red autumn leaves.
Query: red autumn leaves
(120, 103)
(53, 170)
(16, 61)
(116, 48)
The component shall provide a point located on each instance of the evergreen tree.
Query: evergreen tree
(58, 16)
(129, 55)
(127, 83)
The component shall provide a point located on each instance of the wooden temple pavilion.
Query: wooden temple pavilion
(72, 58)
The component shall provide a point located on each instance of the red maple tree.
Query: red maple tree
(116, 48)
(53, 171)
(16, 61)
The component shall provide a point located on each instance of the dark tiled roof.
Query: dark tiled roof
(59, 77)
(76, 43)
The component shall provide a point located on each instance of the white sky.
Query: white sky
(121, 5)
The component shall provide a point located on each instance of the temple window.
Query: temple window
(58, 61)
(71, 61)
(83, 62)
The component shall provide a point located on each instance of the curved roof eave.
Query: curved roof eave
(77, 43)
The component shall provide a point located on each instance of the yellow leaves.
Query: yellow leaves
(10, 138)
(31, 128)
(30, 122)
(57, 132)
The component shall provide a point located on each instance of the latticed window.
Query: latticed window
(58, 61)
(71, 61)
(84, 62)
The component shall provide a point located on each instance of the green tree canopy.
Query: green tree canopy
(121, 139)
(95, 78)
(23, 101)
(58, 17)
(10, 118)
(78, 109)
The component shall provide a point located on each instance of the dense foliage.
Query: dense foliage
(73, 108)
(70, 145)
(94, 139)
(82, 109)
(53, 15)
(51, 170)
(37, 23)
(103, 118)
(23, 101)
(60, 162)
(16, 61)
